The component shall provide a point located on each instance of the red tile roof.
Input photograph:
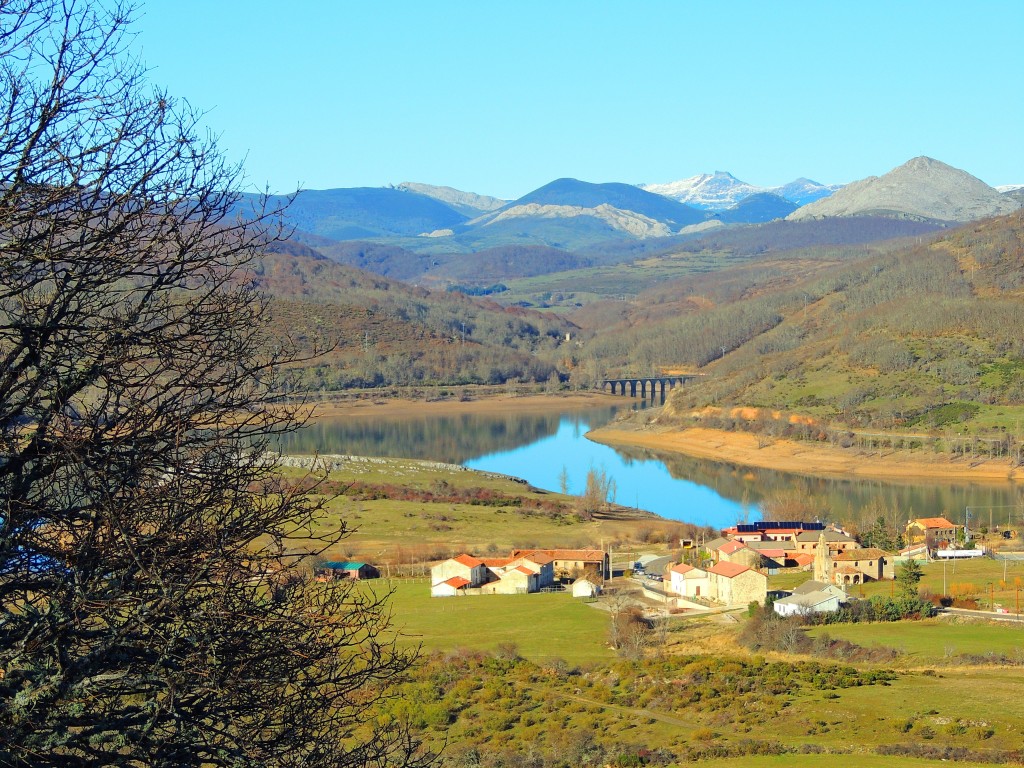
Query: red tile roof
(468, 560)
(586, 555)
(934, 522)
(524, 569)
(803, 558)
(539, 558)
(728, 570)
(866, 553)
(457, 581)
(682, 568)
(732, 547)
(497, 562)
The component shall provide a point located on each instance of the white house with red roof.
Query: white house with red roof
(467, 574)
(514, 580)
(689, 581)
(541, 564)
(457, 574)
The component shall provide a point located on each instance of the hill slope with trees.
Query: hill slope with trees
(924, 337)
(380, 332)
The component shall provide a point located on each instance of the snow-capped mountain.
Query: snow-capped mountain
(804, 191)
(708, 191)
(721, 190)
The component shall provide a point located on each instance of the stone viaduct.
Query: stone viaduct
(647, 385)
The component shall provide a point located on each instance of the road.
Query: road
(987, 615)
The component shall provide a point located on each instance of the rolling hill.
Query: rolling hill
(358, 213)
(379, 332)
(922, 336)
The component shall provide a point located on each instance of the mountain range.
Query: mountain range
(569, 214)
(720, 191)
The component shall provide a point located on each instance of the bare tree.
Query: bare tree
(599, 491)
(151, 609)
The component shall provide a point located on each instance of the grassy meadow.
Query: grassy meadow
(403, 511)
(511, 680)
(942, 640)
(988, 582)
(542, 627)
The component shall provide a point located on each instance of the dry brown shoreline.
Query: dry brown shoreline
(814, 459)
(482, 404)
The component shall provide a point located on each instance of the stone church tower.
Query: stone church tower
(822, 569)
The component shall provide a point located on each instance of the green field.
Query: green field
(981, 579)
(860, 760)
(419, 529)
(541, 626)
(694, 694)
(934, 641)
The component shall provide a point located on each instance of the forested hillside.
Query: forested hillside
(376, 331)
(919, 333)
(929, 336)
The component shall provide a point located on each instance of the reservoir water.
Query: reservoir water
(541, 447)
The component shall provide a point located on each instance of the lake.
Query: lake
(542, 446)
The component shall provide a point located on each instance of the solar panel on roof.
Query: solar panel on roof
(773, 525)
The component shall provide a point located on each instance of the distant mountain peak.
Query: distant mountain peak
(707, 191)
(469, 203)
(922, 187)
(720, 191)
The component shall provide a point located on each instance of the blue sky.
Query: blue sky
(501, 97)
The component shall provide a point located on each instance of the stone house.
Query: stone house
(734, 584)
(934, 531)
(570, 564)
(837, 541)
(855, 566)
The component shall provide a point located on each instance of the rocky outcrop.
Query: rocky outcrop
(632, 223)
(455, 197)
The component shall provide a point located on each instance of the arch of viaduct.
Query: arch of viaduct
(647, 385)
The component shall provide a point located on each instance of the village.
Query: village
(727, 572)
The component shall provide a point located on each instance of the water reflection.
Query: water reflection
(452, 438)
(840, 499)
(539, 447)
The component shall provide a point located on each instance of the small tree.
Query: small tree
(599, 491)
(563, 480)
(907, 579)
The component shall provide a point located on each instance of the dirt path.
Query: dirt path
(815, 459)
